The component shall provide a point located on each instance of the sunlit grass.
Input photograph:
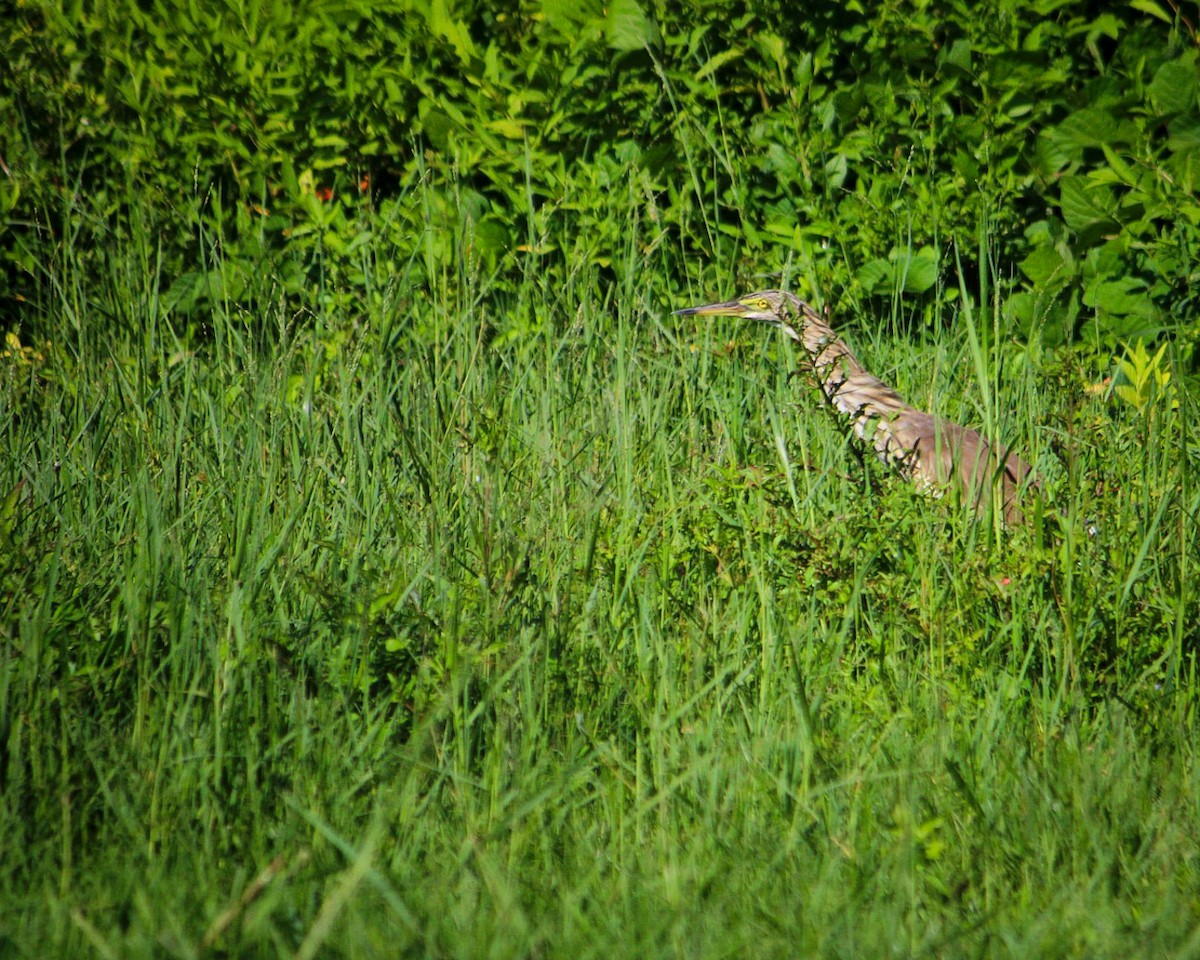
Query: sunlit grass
(591, 640)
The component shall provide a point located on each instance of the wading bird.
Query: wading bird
(934, 454)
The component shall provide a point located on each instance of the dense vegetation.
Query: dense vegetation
(872, 149)
(384, 571)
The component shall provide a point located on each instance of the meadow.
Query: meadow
(386, 571)
(602, 645)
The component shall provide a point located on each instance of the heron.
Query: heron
(934, 454)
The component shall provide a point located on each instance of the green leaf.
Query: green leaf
(1107, 25)
(1122, 171)
(566, 15)
(1048, 156)
(1110, 259)
(1090, 127)
(193, 288)
(1047, 266)
(917, 273)
(8, 514)
(875, 276)
(1085, 206)
(903, 272)
(836, 170)
(1183, 136)
(1152, 8)
(1047, 318)
(773, 45)
(492, 237)
(507, 127)
(1173, 89)
(1122, 296)
(959, 55)
(455, 31)
(10, 193)
(332, 141)
(627, 27)
(719, 60)
(1130, 325)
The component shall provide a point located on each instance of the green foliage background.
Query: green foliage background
(383, 571)
(868, 144)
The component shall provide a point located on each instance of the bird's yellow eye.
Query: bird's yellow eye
(761, 304)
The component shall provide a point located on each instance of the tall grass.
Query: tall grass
(390, 635)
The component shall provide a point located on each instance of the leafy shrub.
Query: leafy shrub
(872, 149)
(1119, 174)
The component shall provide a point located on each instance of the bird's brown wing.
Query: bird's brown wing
(944, 454)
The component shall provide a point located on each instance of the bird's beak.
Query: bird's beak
(730, 308)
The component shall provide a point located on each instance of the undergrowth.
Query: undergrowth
(402, 633)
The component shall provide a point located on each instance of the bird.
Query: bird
(934, 454)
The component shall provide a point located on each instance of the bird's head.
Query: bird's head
(776, 307)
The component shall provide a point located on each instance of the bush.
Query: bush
(872, 150)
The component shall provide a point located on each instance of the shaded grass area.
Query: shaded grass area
(393, 637)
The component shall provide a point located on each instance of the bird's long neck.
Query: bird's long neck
(850, 389)
(919, 446)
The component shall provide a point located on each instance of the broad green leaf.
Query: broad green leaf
(903, 272)
(1046, 7)
(784, 229)
(875, 276)
(1047, 318)
(1089, 127)
(819, 229)
(1173, 89)
(439, 128)
(1130, 395)
(1085, 206)
(1047, 266)
(1121, 296)
(1183, 136)
(1105, 260)
(917, 273)
(492, 237)
(1131, 325)
(1048, 156)
(192, 288)
(782, 160)
(627, 27)
(836, 169)
(959, 55)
